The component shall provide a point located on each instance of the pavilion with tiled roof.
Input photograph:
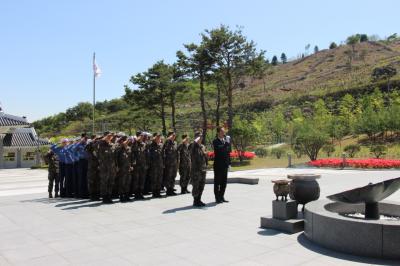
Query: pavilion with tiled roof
(19, 143)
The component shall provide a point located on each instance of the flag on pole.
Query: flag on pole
(96, 69)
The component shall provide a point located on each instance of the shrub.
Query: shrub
(329, 149)
(378, 150)
(261, 152)
(298, 150)
(352, 150)
(277, 152)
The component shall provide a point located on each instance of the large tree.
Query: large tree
(234, 55)
(198, 63)
(153, 90)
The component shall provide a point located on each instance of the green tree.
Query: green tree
(198, 63)
(278, 126)
(329, 148)
(352, 150)
(352, 41)
(234, 56)
(244, 134)
(363, 37)
(274, 60)
(333, 45)
(316, 49)
(283, 58)
(311, 137)
(153, 90)
(384, 73)
(79, 112)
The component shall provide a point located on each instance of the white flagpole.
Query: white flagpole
(94, 92)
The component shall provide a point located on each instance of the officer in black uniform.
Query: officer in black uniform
(222, 161)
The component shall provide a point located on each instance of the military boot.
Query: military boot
(183, 190)
(197, 202)
(170, 192)
(57, 195)
(107, 200)
(50, 195)
(202, 204)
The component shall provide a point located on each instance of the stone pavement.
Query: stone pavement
(35, 230)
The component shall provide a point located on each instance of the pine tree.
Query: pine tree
(333, 45)
(283, 58)
(274, 60)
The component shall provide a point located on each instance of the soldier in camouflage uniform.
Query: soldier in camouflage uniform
(140, 170)
(125, 168)
(93, 169)
(147, 183)
(171, 160)
(107, 167)
(184, 164)
(199, 169)
(53, 176)
(156, 164)
(115, 188)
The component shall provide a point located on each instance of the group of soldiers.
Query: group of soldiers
(115, 165)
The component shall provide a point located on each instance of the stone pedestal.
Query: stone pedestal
(285, 217)
(284, 210)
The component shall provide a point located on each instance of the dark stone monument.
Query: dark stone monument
(369, 195)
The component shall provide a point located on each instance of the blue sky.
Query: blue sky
(46, 47)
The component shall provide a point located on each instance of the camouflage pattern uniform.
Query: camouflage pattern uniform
(53, 176)
(199, 169)
(184, 165)
(140, 170)
(125, 167)
(107, 167)
(147, 183)
(93, 170)
(156, 165)
(171, 164)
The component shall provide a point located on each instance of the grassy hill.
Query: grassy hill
(327, 73)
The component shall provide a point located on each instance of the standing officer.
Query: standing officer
(222, 149)
(140, 170)
(156, 165)
(52, 161)
(170, 162)
(199, 169)
(107, 165)
(184, 164)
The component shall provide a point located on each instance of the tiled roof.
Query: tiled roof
(8, 120)
(22, 140)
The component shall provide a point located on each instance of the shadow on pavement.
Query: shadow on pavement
(302, 239)
(91, 205)
(190, 207)
(270, 232)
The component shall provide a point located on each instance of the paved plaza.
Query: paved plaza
(36, 230)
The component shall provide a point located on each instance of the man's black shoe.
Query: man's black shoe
(224, 200)
(107, 200)
(202, 204)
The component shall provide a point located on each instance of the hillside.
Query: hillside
(322, 73)
(325, 73)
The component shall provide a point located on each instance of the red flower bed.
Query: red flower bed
(235, 155)
(356, 163)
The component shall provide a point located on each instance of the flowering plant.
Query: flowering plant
(247, 155)
(356, 163)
